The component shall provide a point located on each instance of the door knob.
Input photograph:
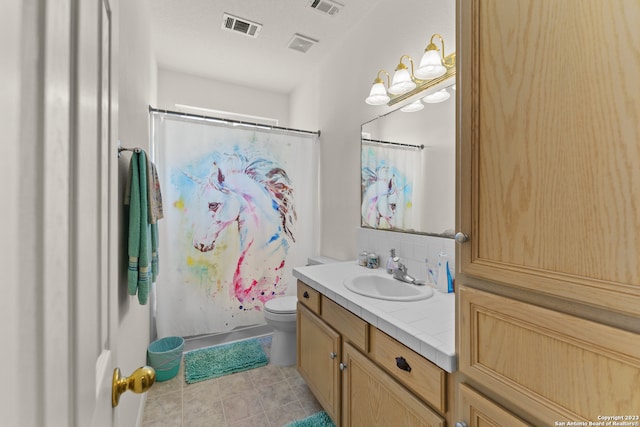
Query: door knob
(461, 424)
(333, 355)
(139, 381)
(461, 237)
(343, 366)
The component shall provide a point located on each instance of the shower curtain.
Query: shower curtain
(389, 174)
(240, 213)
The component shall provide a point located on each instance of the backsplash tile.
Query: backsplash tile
(412, 249)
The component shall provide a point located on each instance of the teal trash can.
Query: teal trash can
(165, 355)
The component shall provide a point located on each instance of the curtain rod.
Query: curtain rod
(379, 141)
(240, 122)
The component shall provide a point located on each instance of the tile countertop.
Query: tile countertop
(427, 326)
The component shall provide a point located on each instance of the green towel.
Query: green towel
(143, 239)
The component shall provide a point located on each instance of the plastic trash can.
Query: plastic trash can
(164, 355)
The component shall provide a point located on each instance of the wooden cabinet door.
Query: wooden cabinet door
(318, 359)
(371, 398)
(550, 365)
(549, 131)
(478, 411)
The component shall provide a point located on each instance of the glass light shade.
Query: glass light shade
(430, 66)
(439, 96)
(401, 82)
(378, 95)
(414, 106)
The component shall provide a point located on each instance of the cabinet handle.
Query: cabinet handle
(401, 363)
(343, 366)
(333, 355)
(461, 424)
(461, 237)
(306, 294)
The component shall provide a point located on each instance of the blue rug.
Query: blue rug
(213, 362)
(319, 419)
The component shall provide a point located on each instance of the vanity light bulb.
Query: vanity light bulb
(439, 96)
(414, 106)
(401, 82)
(430, 66)
(378, 95)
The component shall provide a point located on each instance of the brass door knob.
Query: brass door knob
(139, 381)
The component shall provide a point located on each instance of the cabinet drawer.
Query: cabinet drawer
(351, 327)
(424, 378)
(309, 297)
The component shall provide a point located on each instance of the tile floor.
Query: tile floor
(270, 396)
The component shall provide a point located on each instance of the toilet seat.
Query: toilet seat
(281, 305)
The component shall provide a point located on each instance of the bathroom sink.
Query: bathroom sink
(387, 288)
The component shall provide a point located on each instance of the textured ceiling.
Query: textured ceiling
(187, 37)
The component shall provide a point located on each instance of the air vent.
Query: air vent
(301, 43)
(327, 7)
(240, 25)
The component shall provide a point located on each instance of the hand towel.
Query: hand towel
(140, 240)
(154, 193)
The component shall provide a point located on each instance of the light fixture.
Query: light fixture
(434, 68)
(402, 81)
(435, 97)
(412, 107)
(432, 64)
(378, 94)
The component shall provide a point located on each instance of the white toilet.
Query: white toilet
(280, 314)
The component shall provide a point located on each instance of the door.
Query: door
(478, 411)
(371, 398)
(58, 223)
(93, 219)
(548, 184)
(318, 360)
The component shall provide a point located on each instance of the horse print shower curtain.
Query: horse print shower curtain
(240, 208)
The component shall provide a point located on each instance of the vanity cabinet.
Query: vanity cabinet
(548, 283)
(351, 368)
(373, 398)
(318, 361)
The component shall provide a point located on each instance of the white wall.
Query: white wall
(336, 105)
(137, 90)
(180, 88)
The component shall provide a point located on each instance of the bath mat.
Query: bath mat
(213, 362)
(319, 419)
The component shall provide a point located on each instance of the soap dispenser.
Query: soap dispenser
(392, 262)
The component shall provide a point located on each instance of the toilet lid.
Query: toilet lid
(281, 305)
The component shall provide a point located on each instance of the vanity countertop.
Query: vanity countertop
(427, 326)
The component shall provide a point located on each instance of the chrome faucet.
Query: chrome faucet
(401, 274)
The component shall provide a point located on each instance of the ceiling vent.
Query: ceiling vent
(301, 43)
(327, 7)
(240, 25)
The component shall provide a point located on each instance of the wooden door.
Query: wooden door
(318, 355)
(478, 411)
(549, 183)
(371, 398)
(549, 365)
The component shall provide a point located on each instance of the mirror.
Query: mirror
(408, 168)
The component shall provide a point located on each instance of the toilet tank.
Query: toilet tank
(320, 259)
